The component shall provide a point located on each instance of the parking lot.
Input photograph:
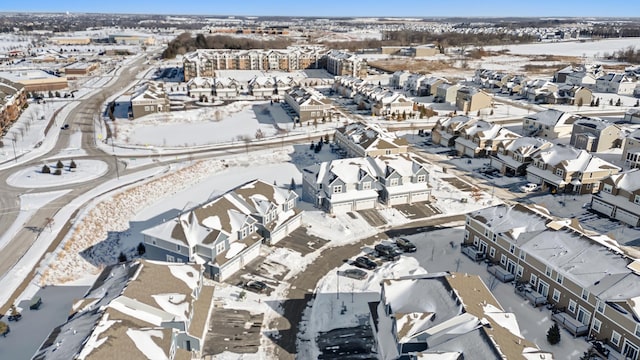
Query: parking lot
(232, 330)
(418, 210)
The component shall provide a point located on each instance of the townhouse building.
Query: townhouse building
(513, 156)
(344, 185)
(137, 310)
(479, 138)
(560, 168)
(201, 88)
(588, 279)
(226, 233)
(362, 139)
(548, 124)
(429, 86)
(446, 130)
(445, 316)
(447, 93)
(308, 104)
(398, 79)
(149, 98)
(266, 87)
(631, 149)
(12, 101)
(595, 135)
(632, 115)
(619, 197)
(617, 83)
(341, 63)
(471, 99)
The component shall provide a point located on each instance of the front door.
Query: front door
(511, 267)
(629, 350)
(583, 316)
(543, 288)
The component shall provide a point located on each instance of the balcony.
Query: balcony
(535, 298)
(575, 327)
(472, 252)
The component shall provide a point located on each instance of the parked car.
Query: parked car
(64, 127)
(386, 251)
(15, 317)
(405, 245)
(363, 262)
(36, 302)
(530, 187)
(256, 286)
(355, 274)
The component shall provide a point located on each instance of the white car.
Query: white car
(530, 187)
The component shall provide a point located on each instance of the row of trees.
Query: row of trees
(185, 43)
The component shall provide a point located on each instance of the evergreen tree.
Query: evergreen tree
(141, 249)
(292, 186)
(598, 102)
(46, 170)
(59, 164)
(122, 257)
(72, 165)
(553, 335)
(618, 103)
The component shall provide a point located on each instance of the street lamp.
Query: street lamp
(338, 287)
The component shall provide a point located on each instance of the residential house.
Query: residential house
(479, 138)
(513, 85)
(341, 63)
(413, 84)
(343, 185)
(513, 156)
(549, 124)
(266, 87)
(619, 197)
(447, 129)
(595, 135)
(308, 104)
(471, 99)
(13, 99)
(553, 260)
(149, 98)
(562, 168)
(631, 149)
(447, 93)
(632, 115)
(429, 86)
(136, 310)
(392, 104)
(201, 88)
(617, 83)
(398, 79)
(226, 88)
(362, 140)
(562, 75)
(569, 95)
(225, 233)
(538, 90)
(445, 316)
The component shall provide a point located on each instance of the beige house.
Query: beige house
(342, 63)
(471, 99)
(149, 98)
(308, 104)
(360, 140)
(619, 197)
(201, 88)
(12, 102)
(549, 124)
(595, 135)
(561, 168)
(447, 93)
(591, 282)
(513, 156)
(479, 138)
(447, 129)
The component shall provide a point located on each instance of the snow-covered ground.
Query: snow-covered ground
(34, 177)
(586, 48)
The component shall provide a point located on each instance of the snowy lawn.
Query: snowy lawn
(85, 170)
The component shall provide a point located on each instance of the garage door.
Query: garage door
(470, 152)
(459, 148)
(602, 207)
(496, 163)
(341, 208)
(420, 196)
(399, 199)
(534, 179)
(231, 267)
(627, 217)
(365, 204)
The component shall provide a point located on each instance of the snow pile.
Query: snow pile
(77, 255)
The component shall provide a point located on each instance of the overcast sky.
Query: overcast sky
(396, 8)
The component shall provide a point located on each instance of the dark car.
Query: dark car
(363, 262)
(405, 245)
(355, 274)
(256, 286)
(64, 127)
(386, 251)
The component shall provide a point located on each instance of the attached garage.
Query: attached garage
(420, 196)
(398, 199)
(365, 204)
(602, 207)
(627, 217)
(239, 261)
(534, 179)
(285, 229)
(471, 152)
(341, 207)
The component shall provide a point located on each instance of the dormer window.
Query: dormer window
(337, 189)
(393, 182)
(559, 172)
(636, 199)
(366, 185)
(423, 178)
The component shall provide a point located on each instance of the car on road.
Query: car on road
(355, 274)
(64, 127)
(487, 169)
(405, 245)
(386, 251)
(256, 286)
(530, 187)
(364, 263)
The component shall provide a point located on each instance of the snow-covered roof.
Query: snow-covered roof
(628, 180)
(370, 136)
(552, 117)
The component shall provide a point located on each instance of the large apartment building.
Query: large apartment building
(592, 283)
(12, 101)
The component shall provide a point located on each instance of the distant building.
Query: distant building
(36, 80)
(149, 98)
(12, 101)
(308, 104)
(360, 140)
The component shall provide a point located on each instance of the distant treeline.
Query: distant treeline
(629, 54)
(185, 43)
(441, 40)
(604, 31)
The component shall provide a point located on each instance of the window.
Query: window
(337, 189)
(559, 172)
(559, 278)
(533, 279)
(523, 255)
(476, 240)
(366, 185)
(178, 247)
(600, 306)
(556, 295)
(585, 295)
(220, 248)
(572, 306)
(615, 338)
(466, 234)
(387, 152)
(638, 330)
(503, 259)
(171, 258)
(495, 237)
(393, 182)
(548, 271)
(468, 221)
(486, 232)
(596, 325)
(422, 178)
(512, 248)
(636, 199)
(520, 271)
(492, 252)
(607, 188)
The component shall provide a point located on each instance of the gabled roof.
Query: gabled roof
(552, 117)
(628, 180)
(370, 136)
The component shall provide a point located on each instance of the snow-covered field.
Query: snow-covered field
(586, 48)
(34, 177)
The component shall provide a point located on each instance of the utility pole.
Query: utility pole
(338, 284)
(13, 142)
